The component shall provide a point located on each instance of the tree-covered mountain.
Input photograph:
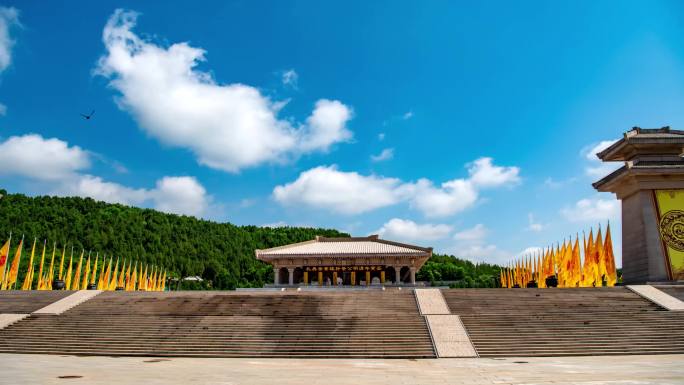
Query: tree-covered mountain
(221, 253)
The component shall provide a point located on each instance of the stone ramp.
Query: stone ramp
(7, 319)
(68, 302)
(446, 330)
(676, 291)
(658, 297)
(230, 324)
(565, 322)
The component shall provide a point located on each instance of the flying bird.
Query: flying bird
(87, 117)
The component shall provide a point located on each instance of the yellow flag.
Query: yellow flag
(67, 281)
(576, 273)
(143, 279)
(51, 273)
(598, 255)
(61, 263)
(14, 269)
(40, 269)
(77, 274)
(92, 279)
(107, 275)
(122, 275)
(164, 282)
(29, 269)
(134, 277)
(113, 281)
(86, 274)
(4, 256)
(611, 271)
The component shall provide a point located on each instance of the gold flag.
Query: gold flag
(86, 274)
(611, 271)
(67, 281)
(51, 272)
(112, 283)
(61, 263)
(29, 269)
(77, 274)
(14, 268)
(4, 256)
(576, 272)
(92, 278)
(40, 269)
(598, 258)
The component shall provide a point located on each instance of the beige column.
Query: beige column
(397, 275)
(413, 276)
(290, 271)
(276, 281)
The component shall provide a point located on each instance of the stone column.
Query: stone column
(276, 280)
(413, 276)
(397, 275)
(290, 271)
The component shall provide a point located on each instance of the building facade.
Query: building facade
(356, 261)
(650, 185)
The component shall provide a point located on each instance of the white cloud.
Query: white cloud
(408, 115)
(351, 193)
(43, 159)
(326, 125)
(483, 253)
(181, 195)
(597, 168)
(176, 195)
(532, 250)
(338, 191)
(98, 189)
(381, 136)
(8, 18)
(404, 229)
(275, 224)
(386, 154)
(290, 78)
(227, 127)
(593, 210)
(3, 109)
(61, 168)
(450, 198)
(475, 234)
(484, 174)
(533, 225)
(472, 244)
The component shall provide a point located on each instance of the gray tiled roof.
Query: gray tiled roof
(345, 246)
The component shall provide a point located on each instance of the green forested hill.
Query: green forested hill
(221, 253)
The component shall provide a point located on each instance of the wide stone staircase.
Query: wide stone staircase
(18, 301)
(372, 324)
(565, 322)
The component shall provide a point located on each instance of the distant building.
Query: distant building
(345, 261)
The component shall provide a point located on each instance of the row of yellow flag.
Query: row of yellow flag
(78, 277)
(565, 263)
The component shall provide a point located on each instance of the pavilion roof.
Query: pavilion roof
(344, 247)
(644, 141)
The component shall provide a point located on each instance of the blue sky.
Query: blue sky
(464, 126)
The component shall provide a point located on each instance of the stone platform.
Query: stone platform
(22, 369)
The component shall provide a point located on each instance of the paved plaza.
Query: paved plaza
(47, 369)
